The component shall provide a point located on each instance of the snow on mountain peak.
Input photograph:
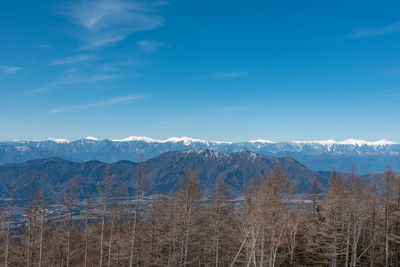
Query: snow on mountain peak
(58, 140)
(186, 140)
(353, 142)
(91, 138)
(385, 142)
(357, 142)
(322, 142)
(222, 142)
(262, 141)
(137, 138)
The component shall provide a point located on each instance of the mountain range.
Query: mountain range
(317, 155)
(164, 173)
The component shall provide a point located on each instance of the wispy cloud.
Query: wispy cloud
(394, 72)
(225, 75)
(72, 60)
(369, 32)
(118, 66)
(233, 109)
(106, 22)
(71, 79)
(10, 69)
(150, 45)
(43, 46)
(102, 40)
(385, 96)
(106, 102)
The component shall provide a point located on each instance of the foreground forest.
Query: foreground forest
(350, 223)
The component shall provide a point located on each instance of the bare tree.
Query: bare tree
(356, 222)
(33, 200)
(43, 204)
(7, 230)
(217, 213)
(114, 218)
(373, 204)
(388, 180)
(294, 225)
(140, 182)
(105, 193)
(69, 204)
(87, 231)
(313, 192)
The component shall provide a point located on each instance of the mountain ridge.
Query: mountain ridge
(317, 155)
(165, 172)
(185, 139)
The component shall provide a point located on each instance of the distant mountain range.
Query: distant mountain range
(164, 173)
(317, 155)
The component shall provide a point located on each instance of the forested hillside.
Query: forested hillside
(351, 223)
(55, 175)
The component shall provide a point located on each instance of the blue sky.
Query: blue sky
(217, 70)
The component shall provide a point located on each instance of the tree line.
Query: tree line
(350, 223)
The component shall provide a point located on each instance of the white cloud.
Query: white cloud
(226, 75)
(368, 32)
(102, 40)
(106, 22)
(71, 60)
(10, 69)
(151, 45)
(106, 102)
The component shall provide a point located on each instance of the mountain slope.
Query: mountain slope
(237, 170)
(317, 155)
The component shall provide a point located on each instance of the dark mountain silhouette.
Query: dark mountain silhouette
(164, 173)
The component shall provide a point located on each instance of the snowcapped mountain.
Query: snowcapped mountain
(317, 155)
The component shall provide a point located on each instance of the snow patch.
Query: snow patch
(22, 148)
(322, 142)
(206, 153)
(24, 141)
(186, 140)
(58, 140)
(92, 138)
(356, 142)
(137, 138)
(353, 142)
(221, 142)
(262, 141)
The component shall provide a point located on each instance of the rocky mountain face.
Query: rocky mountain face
(317, 155)
(164, 173)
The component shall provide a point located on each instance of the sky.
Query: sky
(215, 70)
